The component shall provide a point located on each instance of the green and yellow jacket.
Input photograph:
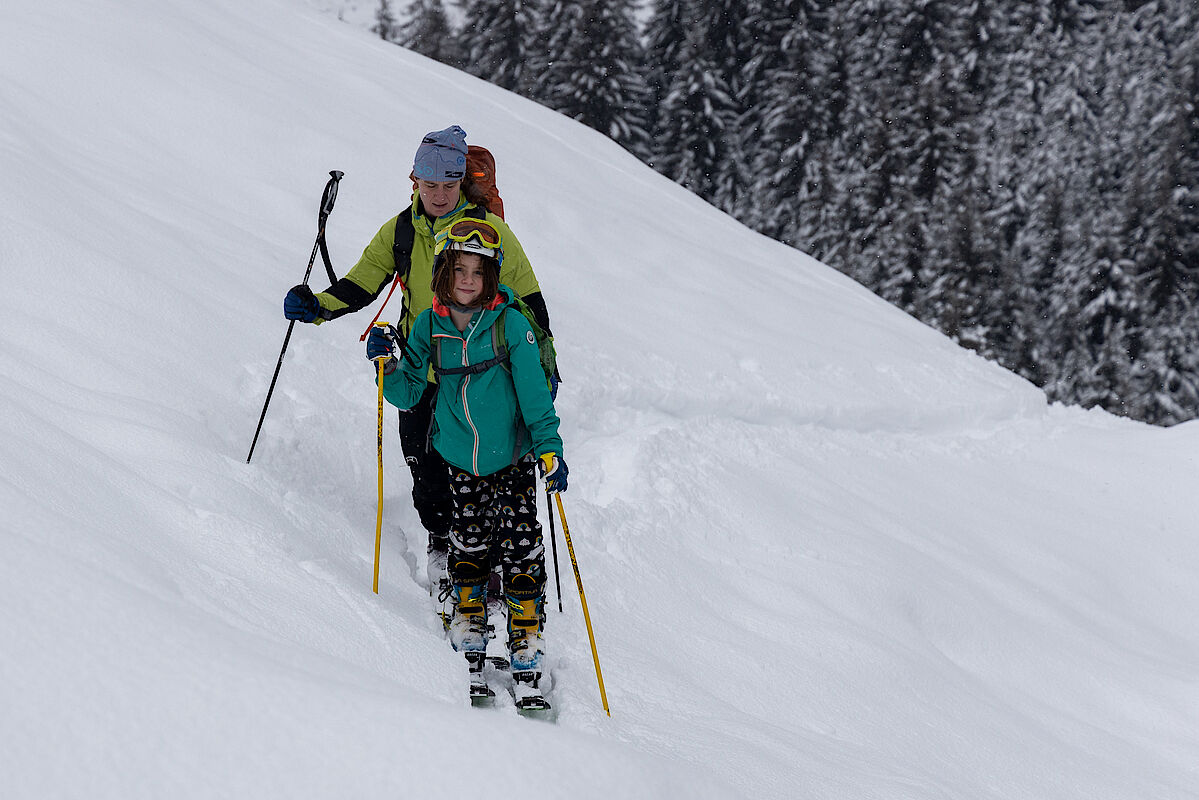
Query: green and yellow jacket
(485, 419)
(377, 266)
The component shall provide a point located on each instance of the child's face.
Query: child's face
(468, 279)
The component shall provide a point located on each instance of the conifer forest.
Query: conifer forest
(1022, 175)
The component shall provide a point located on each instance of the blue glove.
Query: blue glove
(553, 470)
(554, 387)
(380, 343)
(301, 304)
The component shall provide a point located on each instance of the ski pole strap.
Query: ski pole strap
(395, 281)
(325, 257)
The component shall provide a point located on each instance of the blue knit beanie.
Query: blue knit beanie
(441, 156)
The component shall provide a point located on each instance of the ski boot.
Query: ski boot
(497, 652)
(526, 648)
(468, 621)
(468, 635)
(437, 568)
(440, 588)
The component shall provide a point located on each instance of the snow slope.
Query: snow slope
(827, 553)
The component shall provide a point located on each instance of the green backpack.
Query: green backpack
(545, 343)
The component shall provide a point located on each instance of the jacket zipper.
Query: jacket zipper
(466, 407)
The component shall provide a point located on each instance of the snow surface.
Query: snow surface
(827, 553)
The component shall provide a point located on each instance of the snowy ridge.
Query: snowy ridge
(827, 553)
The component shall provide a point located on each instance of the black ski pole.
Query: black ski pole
(327, 200)
(554, 546)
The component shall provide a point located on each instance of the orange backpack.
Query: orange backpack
(479, 186)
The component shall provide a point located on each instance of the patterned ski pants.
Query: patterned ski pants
(495, 522)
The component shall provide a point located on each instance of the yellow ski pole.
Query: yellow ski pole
(599, 676)
(379, 512)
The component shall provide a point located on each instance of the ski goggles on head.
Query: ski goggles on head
(471, 236)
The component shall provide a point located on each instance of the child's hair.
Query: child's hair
(443, 278)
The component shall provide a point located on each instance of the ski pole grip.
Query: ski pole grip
(330, 195)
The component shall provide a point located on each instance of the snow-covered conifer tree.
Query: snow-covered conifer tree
(790, 111)
(700, 101)
(595, 70)
(428, 32)
(502, 42)
(694, 120)
(1161, 223)
(665, 33)
(385, 22)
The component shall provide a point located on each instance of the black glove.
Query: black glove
(301, 304)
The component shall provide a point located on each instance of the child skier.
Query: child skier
(493, 421)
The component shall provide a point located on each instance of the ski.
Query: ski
(527, 696)
(490, 676)
(480, 693)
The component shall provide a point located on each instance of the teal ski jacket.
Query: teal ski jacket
(485, 421)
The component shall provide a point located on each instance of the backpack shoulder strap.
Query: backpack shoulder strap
(434, 350)
(499, 342)
(405, 239)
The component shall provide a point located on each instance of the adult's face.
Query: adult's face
(438, 199)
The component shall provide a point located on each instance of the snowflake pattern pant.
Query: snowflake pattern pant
(495, 522)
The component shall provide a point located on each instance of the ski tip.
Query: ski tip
(543, 712)
(533, 704)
